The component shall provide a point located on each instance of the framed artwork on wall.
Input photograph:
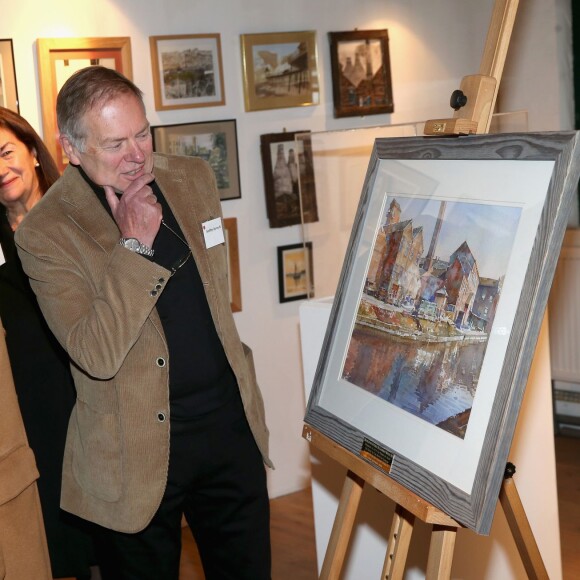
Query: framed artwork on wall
(361, 73)
(438, 309)
(280, 70)
(235, 286)
(58, 59)
(214, 141)
(8, 88)
(187, 71)
(295, 272)
(289, 178)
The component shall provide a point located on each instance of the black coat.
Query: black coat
(46, 396)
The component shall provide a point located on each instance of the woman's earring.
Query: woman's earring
(37, 164)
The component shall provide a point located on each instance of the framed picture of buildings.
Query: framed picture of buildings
(58, 59)
(295, 272)
(214, 141)
(289, 178)
(280, 70)
(438, 309)
(361, 73)
(8, 88)
(187, 71)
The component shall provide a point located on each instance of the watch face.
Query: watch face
(132, 244)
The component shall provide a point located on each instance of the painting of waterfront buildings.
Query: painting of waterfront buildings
(431, 291)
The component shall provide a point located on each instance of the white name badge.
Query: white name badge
(2, 258)
(213, 232)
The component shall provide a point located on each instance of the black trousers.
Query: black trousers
(217, 480)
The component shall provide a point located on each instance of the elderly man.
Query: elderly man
(126, 256)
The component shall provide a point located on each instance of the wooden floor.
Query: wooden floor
(568, 474)
(293, 548)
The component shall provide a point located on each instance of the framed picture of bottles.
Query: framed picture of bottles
(289, 178)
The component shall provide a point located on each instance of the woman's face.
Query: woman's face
(18, 179)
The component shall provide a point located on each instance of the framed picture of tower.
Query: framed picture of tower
(289, 178)
(361, 73)
(438, 309)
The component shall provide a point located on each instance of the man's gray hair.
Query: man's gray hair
(84, 90)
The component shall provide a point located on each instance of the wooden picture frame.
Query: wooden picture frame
(8, 86)
(233, 254)
(214, 141)
(280, 70)
(361, 73)
(438, 309)
(58, 59)
(187, 71)
(295, 272)
(289, 183)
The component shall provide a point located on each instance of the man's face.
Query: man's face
(118, 144)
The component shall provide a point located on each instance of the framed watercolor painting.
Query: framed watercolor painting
(280, 70)
(8, 88)
(235, 287)
(58, 59)
(361, 73)
(214, 141)
(295, 272)
(439, 306)
(289, 183)
(187, 71)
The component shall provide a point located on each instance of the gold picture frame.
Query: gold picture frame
(234, 282)
(8, 87)
(56, 63)
(280, 70)
(187, 71)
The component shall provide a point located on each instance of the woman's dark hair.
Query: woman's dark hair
(47, 170)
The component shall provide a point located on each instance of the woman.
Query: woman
(39, 365)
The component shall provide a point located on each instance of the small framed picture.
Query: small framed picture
(280, 70)
(8, 89)
(361, 73)
(289, 178)
(214, 141)
(295, 272)
(187, 71)
(235, 287)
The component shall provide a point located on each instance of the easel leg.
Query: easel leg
(441, 553)
(342, 527)
(398, 544)
(521, 531)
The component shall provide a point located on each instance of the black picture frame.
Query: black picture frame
(361, 73)
(214, 141)
(289, 182)
(295, 272)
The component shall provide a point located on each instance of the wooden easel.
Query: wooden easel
(474, 103)
(409, 506)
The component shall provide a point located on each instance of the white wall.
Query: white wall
(433, 44)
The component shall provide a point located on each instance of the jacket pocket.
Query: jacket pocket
(96, 457)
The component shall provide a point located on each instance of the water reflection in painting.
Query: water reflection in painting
(430, 296)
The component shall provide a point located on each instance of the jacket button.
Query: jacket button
(158, 286)
(160, 362)
(161, 417)
(161, 280)
(153, 293)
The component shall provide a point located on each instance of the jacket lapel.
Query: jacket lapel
(186, 203)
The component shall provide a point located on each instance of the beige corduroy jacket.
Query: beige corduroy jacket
(23, 550)
(99, 300)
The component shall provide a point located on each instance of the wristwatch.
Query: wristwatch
(135, 245)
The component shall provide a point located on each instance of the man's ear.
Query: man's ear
(69, 149)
